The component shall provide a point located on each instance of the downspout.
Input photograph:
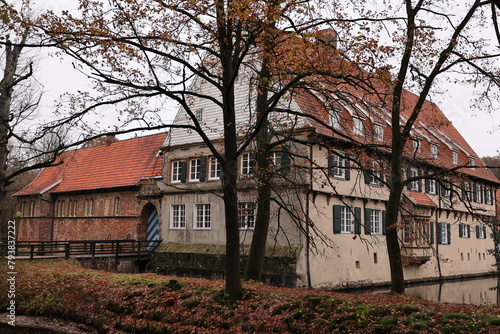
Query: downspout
(309, 189)
(436, 235)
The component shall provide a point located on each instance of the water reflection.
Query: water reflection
(482, 291)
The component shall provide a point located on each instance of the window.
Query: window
(478, 196)
(416, 145)
(480, 231)
(454, 156)
(464, 230)
(247, 162)
(337, 166)
(214, 169)
(202, 216)
(430, 186)
(117, 206)
(194, 170)
(444, 236)
(466, 191)
(89, 207)
(246, 215)
(414, 185)
(434, 150)
(334, 118)
(374, 176)
(418, 232)
(445, 186)
(379, 132)
(72, 206)
(32, 209)
(471, 161)
(376, 222)
(488, 196)
(177, 168)
(346, 219)
(357, 126)
(60, 208)
(178, 214)
(199, 115)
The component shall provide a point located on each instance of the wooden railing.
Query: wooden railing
(82, 248)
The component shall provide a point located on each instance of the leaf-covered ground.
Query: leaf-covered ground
(149, 303)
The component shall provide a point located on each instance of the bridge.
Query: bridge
(31, 250)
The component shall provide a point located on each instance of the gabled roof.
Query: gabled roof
(420, 199)
(432, 127)
(121, 164)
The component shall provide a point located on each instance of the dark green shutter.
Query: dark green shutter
(368, 223)
(477, 231)
(408, 176)
(439, 233)
(183, 171)
(468, 231)
(357, 220)
(448, 230)
(383, 221)
(460, 232)
(347, 170)
(203, 169)
(431, 228)
(368, 177)
(484, 231)
(285, 159)
(427, 185)
(336, 218)
(331, 163)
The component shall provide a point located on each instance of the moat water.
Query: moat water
(479, 291)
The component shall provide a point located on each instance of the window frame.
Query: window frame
(339, 167)
(247, 163)
(197, 170)
(178, 216)
(434, 150)
(376, 224)
(204, 223)
(378, 132)
(214, 169)
(117, 206)
(454, 157)
(464, 230)
(357, 126)
(176, 171)
(246, 215)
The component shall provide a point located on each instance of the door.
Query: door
(153, 228)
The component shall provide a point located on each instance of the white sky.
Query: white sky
(480, 130)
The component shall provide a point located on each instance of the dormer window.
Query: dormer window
(416, 145)
(335, 120)
(434, 150)
(379, 132)
(199, 115)
(357, 126)
(455, 157)
(472, 161)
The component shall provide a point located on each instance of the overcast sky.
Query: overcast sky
(478, 128)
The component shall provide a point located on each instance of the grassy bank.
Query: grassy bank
(148, 303)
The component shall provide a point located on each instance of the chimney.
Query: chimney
(109, 139)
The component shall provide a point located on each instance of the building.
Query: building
(105, 192)
(329, 212)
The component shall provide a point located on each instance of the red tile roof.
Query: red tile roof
(123, 163)
(432, 126)
(420, 199)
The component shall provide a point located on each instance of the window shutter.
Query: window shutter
(347, 170)
(474, 194)
(368, 223)
(383, 221)
(336, 219)
(331, 163)
(357, 220)
(419, 182)
(477, 231)
(460, 230)
(448, 230)
(484, 231)
(285, 160)
(408, 175)
(439, 233)
(431, 228)
(203, 168)
(183, 171)
(368, 176)
(464, 193)
(427, 185)
(468, 231)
